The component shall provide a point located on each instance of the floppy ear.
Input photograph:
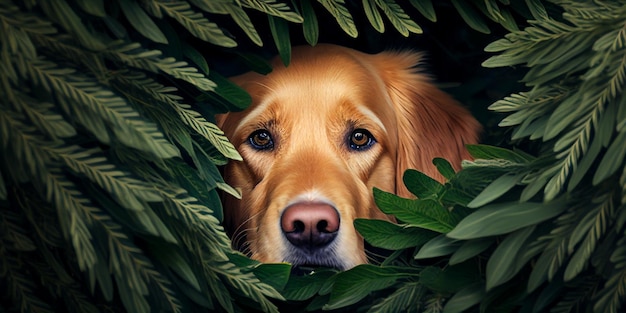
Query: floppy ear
(430, 122)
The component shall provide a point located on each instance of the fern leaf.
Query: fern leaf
(236, 12)
(18, 27)
(338, 10)
(250, 286)
(141, 22)
(3, 188)
(21, 289)
(196, 23)
(602, 217)
(130, 128)
(63, 14)
(15, 237)
(399, 19)
(41, 114)
(190, 117)
(274, 8)
(612, 296)
(374, 17)
(150, 61)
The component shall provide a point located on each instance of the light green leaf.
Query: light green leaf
(338, 10)
(391, 236)
(274, 8)
(502, 218)
(399, 19)
(374, 17)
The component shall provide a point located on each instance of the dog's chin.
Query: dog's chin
(305, 261)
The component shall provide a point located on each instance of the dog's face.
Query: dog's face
(319, 135)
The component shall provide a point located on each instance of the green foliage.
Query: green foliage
(109, 180)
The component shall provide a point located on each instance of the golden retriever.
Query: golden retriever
(318, 136)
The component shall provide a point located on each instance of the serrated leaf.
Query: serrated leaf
(391, 236)
(502, 218)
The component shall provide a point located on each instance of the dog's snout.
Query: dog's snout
(310, 225)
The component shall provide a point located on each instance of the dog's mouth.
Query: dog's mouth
(304, 259)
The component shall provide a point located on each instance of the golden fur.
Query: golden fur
(310, 109)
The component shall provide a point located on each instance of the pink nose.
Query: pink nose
(310, 225)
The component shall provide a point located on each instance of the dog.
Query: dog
(319, 135)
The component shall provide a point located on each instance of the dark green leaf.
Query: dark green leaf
(426, 9)
(444, 167)
(280, 32)
(470, 16)
(506, 261)
(451, 279)
(496, 189)
(387, 235)
(142, 22)
(310, 26)
(355, 284)
(420, 184)
(491, 152)
(470, 249)
(613, 159)
(438, 246)
(465, 298)
(304, 287)
(275, 275)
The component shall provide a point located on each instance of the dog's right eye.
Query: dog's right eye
(261, 140)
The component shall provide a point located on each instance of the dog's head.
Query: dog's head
(319, 135)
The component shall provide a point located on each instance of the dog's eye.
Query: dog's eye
(261, 140)
(361, 140)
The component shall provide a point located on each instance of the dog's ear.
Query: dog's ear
(430, 122)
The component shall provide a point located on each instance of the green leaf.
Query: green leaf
(444, 167)
(470, 249)
(274, 8)
(300, 288)
(310, 26)
(505, 262)
(426, 9)
(470, 16)
(280, 33)
(196, 23)
(438, 246)
(451, 279)
(502, 218)
(355, 284)
(420, 184)
(374, 17)
(401, 300)
(496, 189)
(172, 258)
(93, 7)
(399, 19)
(491, 153)
(465, 298)
(425, 214)
(275, 275)
(141, 22)
(613, 159)
(338, 10)
(391, 236)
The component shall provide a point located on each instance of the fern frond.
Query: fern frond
(613, 295)
(190, 117)
(594, 225)
(399, 19)
(576, 297)
(196, 23)
(339, 11)
(62, 13)
(132, 55)
(14, 236)
(236, 12)
(41, 114)
(409, 295)
(274, 8)
(130, 128)
(20, 287)
(17, 28)
(249, 285)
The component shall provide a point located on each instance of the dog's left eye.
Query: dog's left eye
(360, 140)
(261, 140)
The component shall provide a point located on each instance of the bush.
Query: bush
(110, 185)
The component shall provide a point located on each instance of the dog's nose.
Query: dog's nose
(310, 225)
